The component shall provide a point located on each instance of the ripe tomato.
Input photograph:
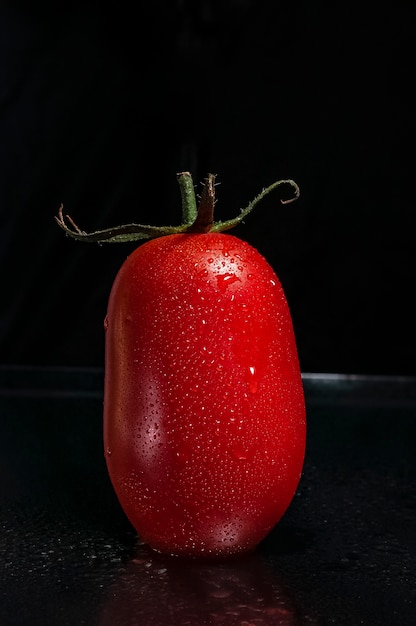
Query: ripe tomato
(204, 419)
(204, 414)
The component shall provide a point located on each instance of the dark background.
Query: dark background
(100, 107)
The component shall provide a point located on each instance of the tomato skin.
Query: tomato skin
(204, 414)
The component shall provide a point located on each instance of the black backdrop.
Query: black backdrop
(100, 107)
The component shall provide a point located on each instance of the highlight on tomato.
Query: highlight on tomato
(204, 412)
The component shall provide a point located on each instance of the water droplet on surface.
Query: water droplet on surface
(221, 593)
(106, 322)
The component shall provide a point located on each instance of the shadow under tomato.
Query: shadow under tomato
(155, 590)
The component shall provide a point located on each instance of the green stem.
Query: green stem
(189, 209)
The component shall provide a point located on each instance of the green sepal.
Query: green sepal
(195, 219)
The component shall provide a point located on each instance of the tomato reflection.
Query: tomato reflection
(155, 590)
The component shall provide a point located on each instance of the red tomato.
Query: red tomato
(204, 415)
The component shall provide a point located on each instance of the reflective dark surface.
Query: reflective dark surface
(343, 554)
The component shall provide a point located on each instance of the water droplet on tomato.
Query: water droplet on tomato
(239, 453)
(183, 455)
(106, 322)
(108, 452)
(252, 380)
(225, 280)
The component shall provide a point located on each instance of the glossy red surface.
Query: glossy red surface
(204, 415)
